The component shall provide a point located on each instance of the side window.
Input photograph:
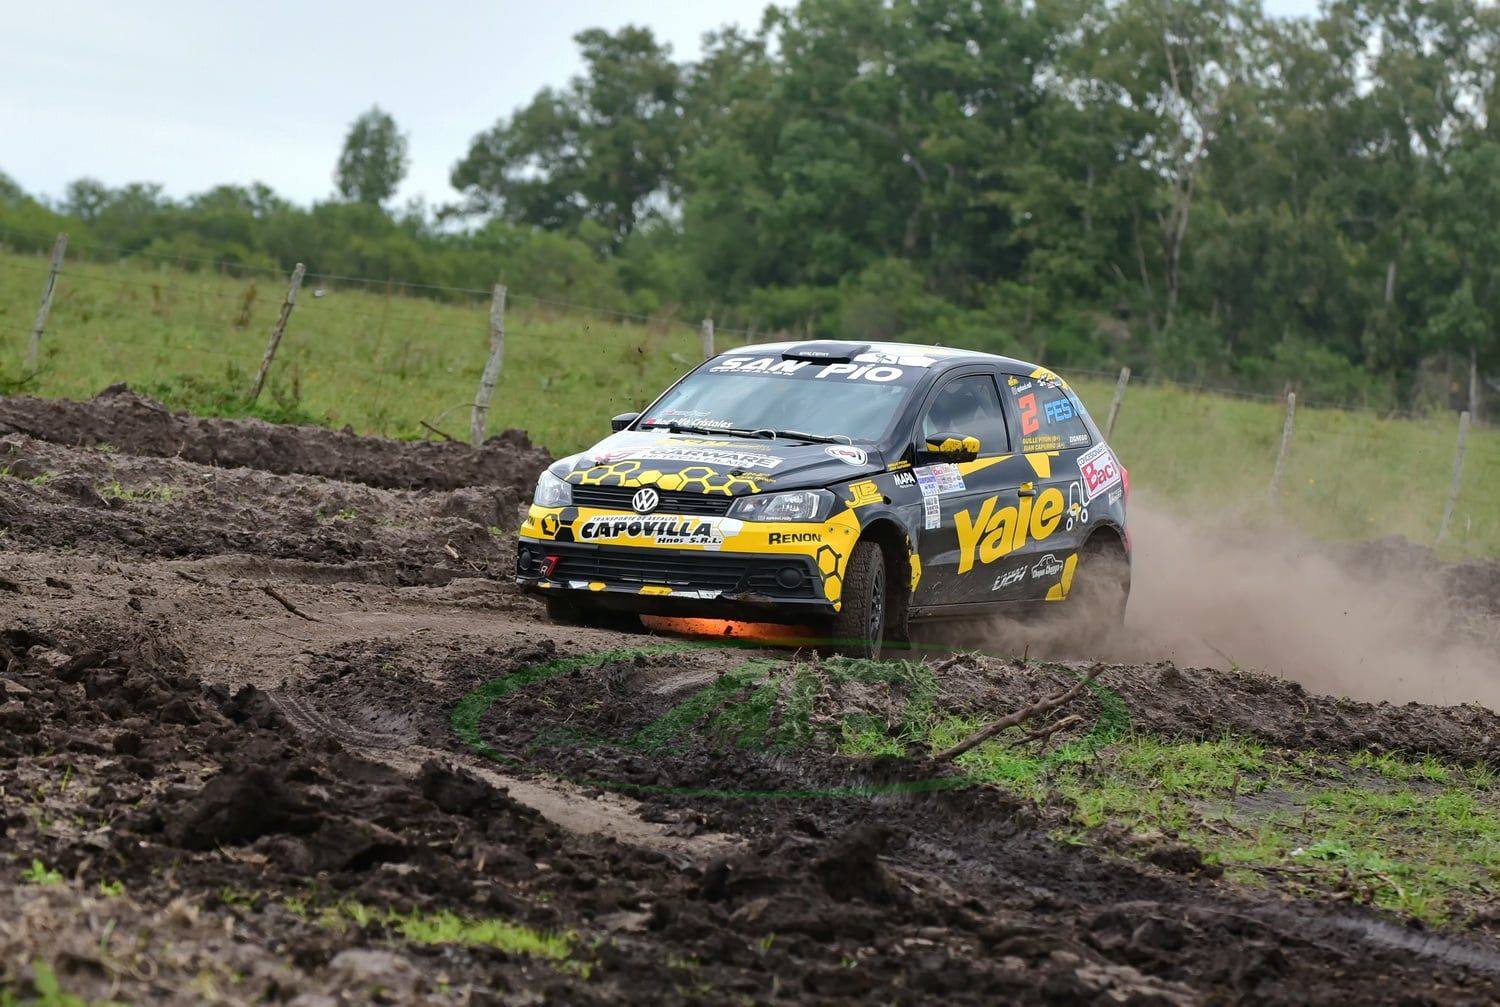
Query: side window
(969, 406)
(1051, 418)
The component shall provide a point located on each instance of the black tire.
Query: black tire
(567, 612)
(859, 628)
(1101, 584)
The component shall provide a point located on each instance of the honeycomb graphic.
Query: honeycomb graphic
(550, 525)
(610, 474)
(691, 478)
(829, 562)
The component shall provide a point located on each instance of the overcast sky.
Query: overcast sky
(192, 94)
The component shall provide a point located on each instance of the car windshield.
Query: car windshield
(828, 400)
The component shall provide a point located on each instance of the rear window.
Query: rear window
(1051, 416)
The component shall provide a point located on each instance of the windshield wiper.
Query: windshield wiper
(798, 435)
(759, 432)
(689, 428)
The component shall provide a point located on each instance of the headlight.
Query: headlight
(802, 505)
(552, 492)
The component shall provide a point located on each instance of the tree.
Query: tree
(373, 161)
(602, 149)
(10, 191)
(85, 198)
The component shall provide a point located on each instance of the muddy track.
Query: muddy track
(243, 762)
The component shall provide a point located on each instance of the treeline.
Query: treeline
(1186, 186)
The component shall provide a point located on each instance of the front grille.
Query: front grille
(672, 501)
(709, 571)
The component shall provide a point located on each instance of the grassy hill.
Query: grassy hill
(366, 356)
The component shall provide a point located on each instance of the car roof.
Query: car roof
(947, 355)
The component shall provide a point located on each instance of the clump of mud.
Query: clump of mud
(137, 425)
(124, 505)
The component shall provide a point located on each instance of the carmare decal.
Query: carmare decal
(1048, 566)
(1010, 579)
(864, 493)
(905, 478)
(994, 532)
(846, 454)
(661, 530)
(1114, 497)
(792, 537)
(791, 368)
(739, 459)
(1099, 469)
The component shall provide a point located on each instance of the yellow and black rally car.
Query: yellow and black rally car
(857, 487)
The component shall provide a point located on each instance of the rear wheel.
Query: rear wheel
(1101, 584)
(567, 612)
(859, 628)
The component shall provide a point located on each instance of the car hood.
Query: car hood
(732, 465)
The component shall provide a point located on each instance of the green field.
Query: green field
(366, 356)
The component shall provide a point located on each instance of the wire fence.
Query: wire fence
(353, 351)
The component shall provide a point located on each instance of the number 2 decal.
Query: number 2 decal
(1029, 423)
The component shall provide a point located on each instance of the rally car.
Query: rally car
(853, 487)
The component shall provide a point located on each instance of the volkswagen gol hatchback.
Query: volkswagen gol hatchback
(856, 487)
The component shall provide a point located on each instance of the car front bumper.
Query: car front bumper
(677, 582)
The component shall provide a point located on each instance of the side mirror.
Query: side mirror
(622, 421)
(949, 447)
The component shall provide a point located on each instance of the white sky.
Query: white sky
(193, 94)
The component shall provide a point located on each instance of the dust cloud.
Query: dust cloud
(1272, 602)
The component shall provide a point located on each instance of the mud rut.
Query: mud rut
(231, 690)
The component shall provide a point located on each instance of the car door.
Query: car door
(1053, 434)
(962, 502)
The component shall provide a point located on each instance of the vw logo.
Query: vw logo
(645, 501)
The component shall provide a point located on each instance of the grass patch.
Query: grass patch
(148, 494)
(1423, 839)
(40, 874)
(382, 364)
(418, 927)
(49, 992)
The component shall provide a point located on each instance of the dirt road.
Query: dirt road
(275, 727)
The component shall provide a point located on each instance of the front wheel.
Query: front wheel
(859, 627)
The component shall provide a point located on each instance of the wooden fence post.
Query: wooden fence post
(708, 338)
(481, 413)
(1114, 407)
(34, 347)
(1286, 447)
(277, 330)
(1458, 475)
